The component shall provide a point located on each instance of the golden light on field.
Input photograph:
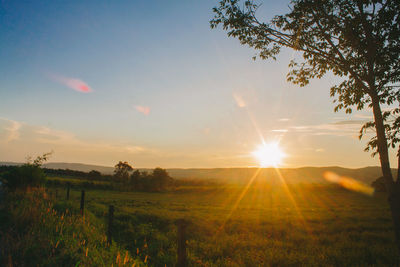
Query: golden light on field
(269, 154)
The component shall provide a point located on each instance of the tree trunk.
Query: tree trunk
(398, 166)
(392, 188)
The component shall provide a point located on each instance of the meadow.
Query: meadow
(261, 225)
(36, 230)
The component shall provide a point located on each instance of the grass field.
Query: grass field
(35, 231)
(73, 180)
(309, 225)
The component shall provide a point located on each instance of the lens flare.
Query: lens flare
(349, 183)
(143, 109)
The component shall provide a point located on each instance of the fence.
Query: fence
(181, 225)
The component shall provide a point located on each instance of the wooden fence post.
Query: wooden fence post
(68, 187)
(82, 202)
(110, 224)
(182, 261)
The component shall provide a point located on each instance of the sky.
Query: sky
(150, 83)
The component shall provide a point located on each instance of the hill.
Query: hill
(242, 175)
(290, 175)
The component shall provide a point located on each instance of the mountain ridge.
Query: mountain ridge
(306, 174)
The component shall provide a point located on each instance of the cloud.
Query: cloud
(340, 128)
(280, 130)
(62, 138)
(72, 83)
(135, 149)
(9, 129)
(24, 134)
(143, 109)
(362, 116)
(350, 122)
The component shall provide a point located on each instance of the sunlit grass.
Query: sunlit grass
(39, 232)
(327, 225)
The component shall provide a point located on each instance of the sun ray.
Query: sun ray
(294, 203)
(236, 204)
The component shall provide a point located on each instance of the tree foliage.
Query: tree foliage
(94, 175)
(356, 40)
(27, 175)
(158, 180)
(121, 171)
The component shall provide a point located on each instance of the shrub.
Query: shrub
(27, 175)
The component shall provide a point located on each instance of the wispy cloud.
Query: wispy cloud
(10, 129)
(350, 122)
(60, 140)
(363, 116)
(143, 109)
(72, 83)
(339, 128)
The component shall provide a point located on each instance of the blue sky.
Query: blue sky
(161, 56)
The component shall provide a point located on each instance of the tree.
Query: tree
(135, 179)
(356, 40)
(121, 171)
(94, 175)
(160, 179)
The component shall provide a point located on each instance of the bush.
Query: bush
(379, 185)
(27, 175)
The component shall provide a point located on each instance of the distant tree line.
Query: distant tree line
(157, 180)
(124, 178)
(92, 175)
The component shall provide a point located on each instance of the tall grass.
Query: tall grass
(311, 225)
(35, 231)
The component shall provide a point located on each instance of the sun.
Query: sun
(269, 154)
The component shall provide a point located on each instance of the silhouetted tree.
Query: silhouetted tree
(160, 179)
(94, 175)
(135, 179)
(121, 171)
(357, 40)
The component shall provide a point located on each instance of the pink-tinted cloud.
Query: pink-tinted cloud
(143, 109)
(73, 83)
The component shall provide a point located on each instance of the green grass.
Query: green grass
(306, 225)
(73, 180)
(35, 231)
